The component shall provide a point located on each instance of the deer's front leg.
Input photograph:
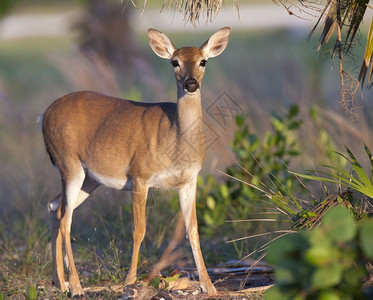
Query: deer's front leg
(187, 196)
(139, 195)
(54, 211)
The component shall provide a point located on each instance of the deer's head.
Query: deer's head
(188, 62)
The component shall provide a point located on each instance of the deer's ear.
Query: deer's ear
(161, 44)
(216, 43)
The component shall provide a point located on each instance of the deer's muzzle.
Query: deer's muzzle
(191, 85)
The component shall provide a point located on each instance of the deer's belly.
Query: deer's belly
(124, 183)
(172, 178)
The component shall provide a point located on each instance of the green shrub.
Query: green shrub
(260, 163)
(325, 263)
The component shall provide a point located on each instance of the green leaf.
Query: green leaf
(209, 220)
(294, 125)
(172, 278)
(329, 295)
(366, 238)
(293, 152)
(293, 111)
(285, 276)
(339, 225)
(114, 278)
(32, 293)
(361, 173)
(367, 150)
(315, 178)
(318, 237)
(344, 179)
(362, 183)
(155, 282)
(352, 277)
(283, 203)
(326, 277)
(275, 293)
(277, 124)
(319, 255)
(210, 202)
(283, 247)
(224, 191)
(308, 214)
(240, 120)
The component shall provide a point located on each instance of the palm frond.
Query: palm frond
(358, 9)
(193, 9)
(346, 16)
(367, 67)
(320, 18)
(329, 25)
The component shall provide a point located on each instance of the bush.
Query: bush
(326, 263)
(259, 163)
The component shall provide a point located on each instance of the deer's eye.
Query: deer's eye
(203, 62)
(175, 63)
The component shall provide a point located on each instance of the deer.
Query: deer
(98, 140)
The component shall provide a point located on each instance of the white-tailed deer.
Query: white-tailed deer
(94, 139)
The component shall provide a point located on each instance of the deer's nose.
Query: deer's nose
(190, 85)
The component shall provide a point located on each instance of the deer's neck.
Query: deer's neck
(190, 126)
(189, 112)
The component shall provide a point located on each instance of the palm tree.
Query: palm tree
(343, 17)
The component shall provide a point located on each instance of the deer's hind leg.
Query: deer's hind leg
(55, 215)
(54, 210)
